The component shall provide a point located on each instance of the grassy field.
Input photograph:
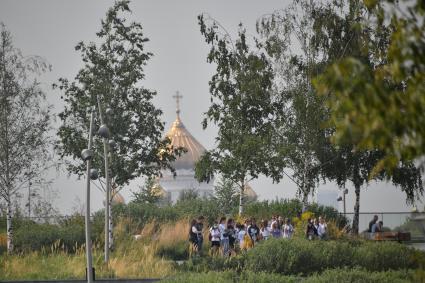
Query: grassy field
(154, 256)
(131, 260)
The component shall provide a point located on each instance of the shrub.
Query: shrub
(360, 276)
(32, 236)
(35, 236)
(178, 251)
(299, 256)
(230, 277)
(172, 240)
(206, 264)
(380, 256)
(328, 276)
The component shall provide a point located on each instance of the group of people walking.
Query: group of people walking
(226, 237)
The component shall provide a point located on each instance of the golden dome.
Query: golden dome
(180, 137)
(117, 198)
(249, 192)
(159, 190)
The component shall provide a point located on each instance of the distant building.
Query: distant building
(328, 198)
(184, 179)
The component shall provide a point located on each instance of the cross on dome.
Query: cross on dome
(177, 97)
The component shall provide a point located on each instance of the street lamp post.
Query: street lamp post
(104, 133)
(87, 155)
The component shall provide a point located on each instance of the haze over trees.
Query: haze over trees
(25, 119)
(297, 45)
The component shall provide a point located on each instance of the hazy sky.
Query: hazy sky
(51, 29)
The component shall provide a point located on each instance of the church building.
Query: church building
(184, 179)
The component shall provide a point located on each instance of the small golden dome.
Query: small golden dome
(159, 191)
(117, 198)
(180, 137)
(249, 192)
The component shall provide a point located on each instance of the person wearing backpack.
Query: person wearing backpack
(310, 230)
(224, 236)
(193, 237)
(253, 230)
(288, 229)
(264, 230)
(214, 237)
(198, 228)
(241, 235)
(231, 229)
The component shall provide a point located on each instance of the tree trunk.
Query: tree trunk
(241, 198)
(305, 202)
(9, 227)
(356, 211)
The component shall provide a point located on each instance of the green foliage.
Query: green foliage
(328, 276)
(188, 195)
(178, 251)
(231, 277)
(290, 39)
(149, 193)
(30, 237)
(227, 196)
(361, 276)
(300, 256)
(292, 208)
(381, 106)
(112, 74)
(25, 121)
(242, 107)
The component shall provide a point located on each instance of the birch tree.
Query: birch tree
(24, 124)
(111, 81)
(243, 108)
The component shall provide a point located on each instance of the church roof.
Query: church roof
(180, 137)
(249, 192)
(159, 190)
(117, 198)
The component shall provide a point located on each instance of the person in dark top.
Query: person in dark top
(195, 234)
(232, 235)
(310, 230)
(253, 230)
(372, 222)
(193, 237)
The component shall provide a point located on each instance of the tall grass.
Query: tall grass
(130, 260)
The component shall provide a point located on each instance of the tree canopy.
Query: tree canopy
(25, 118)
(243, 108)
(382, 105)
(113, 71)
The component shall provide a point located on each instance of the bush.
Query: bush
(178, 251)
(291, 209)
(230, 277)
(35, 236)
(360, 276)
(32, 236)
(380, 256)
(206, 264)
(299, 256)
(328, 276)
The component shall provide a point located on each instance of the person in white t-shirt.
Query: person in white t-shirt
(224, 236)
(215, 239)
(264, 230)
(288, 229)
(241, 235)
(322, 229)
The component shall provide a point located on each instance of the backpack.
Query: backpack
(247, 242)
